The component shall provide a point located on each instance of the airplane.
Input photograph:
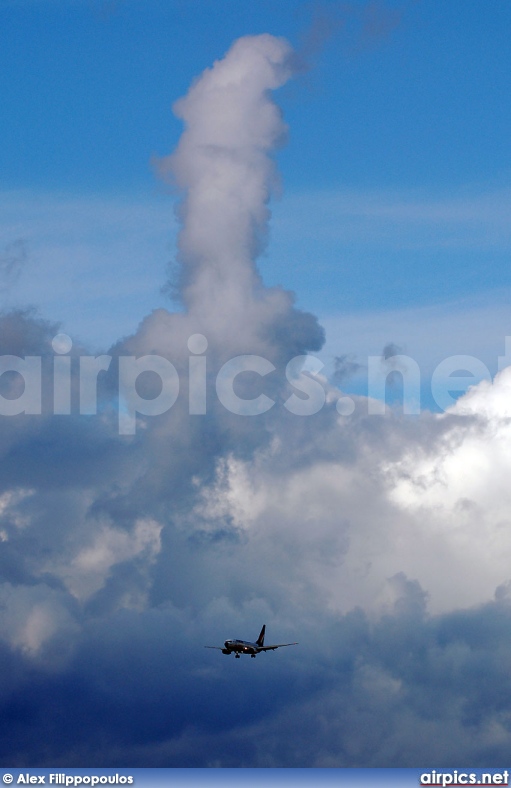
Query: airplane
(247, 647)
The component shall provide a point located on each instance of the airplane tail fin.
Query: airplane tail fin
(260, 639)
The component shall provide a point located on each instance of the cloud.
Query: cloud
(12, 262)
(355, 27)
(345, 367)
(392, 220)
(378, 542)
(389, 351)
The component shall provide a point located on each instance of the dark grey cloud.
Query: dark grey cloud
(13, 260)
(390, 350)
(402, 690)
(345, 367)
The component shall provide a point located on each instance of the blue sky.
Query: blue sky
(377, 539)
(88, 87)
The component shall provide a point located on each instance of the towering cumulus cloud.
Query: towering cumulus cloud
(224, 167)
(223, 164)
(134, 533)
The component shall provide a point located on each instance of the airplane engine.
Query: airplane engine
(225, 651)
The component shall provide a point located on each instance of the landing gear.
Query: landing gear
(237, 656)
(253, 656)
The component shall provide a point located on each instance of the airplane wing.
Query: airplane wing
(219, 648)
(277, 645)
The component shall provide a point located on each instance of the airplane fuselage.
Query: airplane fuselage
(240, 647)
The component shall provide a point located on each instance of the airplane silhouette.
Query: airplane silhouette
(247, 647)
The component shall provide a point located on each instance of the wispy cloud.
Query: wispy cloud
(96, 263)
(397, 221)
